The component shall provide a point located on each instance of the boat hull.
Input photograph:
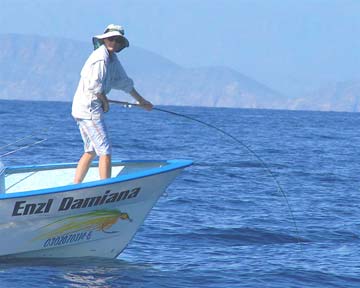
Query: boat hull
(96, 219)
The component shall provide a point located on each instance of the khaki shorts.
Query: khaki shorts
(95, 136)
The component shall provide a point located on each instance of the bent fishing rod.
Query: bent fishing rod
(263, 163)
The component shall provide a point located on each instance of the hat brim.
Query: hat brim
(98, 40)
(111, 34)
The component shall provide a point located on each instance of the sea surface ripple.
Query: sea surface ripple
(223, 222)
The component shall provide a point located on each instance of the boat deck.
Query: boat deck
(26, 178)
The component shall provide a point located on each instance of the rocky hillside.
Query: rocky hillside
(342, 96)
(39, 68)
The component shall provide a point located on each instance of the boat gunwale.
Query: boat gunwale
(170, 165)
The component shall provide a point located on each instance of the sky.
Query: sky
(291, 46)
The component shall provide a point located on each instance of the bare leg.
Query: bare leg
(105, 166)
(83, 166)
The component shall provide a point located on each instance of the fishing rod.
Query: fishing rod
(264, 165)
(29, 136)
(23, 147)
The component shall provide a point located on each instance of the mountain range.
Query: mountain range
(41, 68)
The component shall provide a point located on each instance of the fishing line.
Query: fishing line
(17, 141)
(23, 147)
(24, 138)
(21, 180)
(29, 136)
(264, 165)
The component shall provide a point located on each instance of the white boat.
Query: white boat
(43, 215)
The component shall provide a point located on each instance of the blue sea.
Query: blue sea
(223, 222)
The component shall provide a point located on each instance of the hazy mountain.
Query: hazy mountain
(39, 68)
(341, 96)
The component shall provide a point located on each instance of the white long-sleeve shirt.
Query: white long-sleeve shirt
(101, 73)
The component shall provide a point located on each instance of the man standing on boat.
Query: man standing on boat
(102, 72)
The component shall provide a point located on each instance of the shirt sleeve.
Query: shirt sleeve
(96, 77)
(121, 81)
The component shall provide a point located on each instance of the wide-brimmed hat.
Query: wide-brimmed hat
(110, 31)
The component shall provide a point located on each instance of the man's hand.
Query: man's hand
(105, 106)
(104, 102)
(142, 102)
(146, 105)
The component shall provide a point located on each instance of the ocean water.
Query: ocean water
(223, 222)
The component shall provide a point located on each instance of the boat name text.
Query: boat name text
(22, 208)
